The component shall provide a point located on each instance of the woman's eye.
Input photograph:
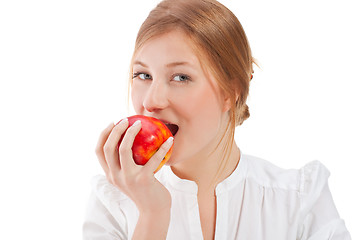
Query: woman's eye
(181, 78)
(142, 76)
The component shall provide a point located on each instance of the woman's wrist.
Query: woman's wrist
(152, 225)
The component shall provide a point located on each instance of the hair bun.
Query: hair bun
(244, 114)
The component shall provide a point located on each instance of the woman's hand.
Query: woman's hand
(137, 182)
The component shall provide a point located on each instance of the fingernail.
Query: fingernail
(122, 121)
(170, 140)
(136, 123)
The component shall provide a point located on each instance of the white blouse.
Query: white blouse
(257, 201)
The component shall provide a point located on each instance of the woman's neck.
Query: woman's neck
(204, 170)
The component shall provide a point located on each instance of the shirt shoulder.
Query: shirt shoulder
(104, 217)
(105, 191)
(309, 178)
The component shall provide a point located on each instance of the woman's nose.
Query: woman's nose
(156, 97)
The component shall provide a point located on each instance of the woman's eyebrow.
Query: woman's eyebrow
(173, 64)
(141, 64)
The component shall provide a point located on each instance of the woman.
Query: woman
(191, 67)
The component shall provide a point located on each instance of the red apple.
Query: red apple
(152, 135)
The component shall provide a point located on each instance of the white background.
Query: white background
(63, 72)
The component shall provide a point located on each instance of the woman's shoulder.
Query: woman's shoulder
(310, 176)
(107, 211)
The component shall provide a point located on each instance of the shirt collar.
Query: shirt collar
(234, 178)
(188, 186)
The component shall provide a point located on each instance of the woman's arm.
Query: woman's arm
(103, 221)
(151, 198)
(320, 218)
(323, 220)
(152, 225)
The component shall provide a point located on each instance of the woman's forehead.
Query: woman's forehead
(176, 47)
(171, 49)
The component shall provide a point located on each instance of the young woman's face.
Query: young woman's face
(170, 84)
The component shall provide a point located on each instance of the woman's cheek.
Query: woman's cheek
(137, 95)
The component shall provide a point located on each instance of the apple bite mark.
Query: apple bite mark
(173, 128)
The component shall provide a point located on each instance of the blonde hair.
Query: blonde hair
(221, 45)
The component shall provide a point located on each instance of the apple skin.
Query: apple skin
(152, 135)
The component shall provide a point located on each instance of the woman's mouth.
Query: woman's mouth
(172, 127)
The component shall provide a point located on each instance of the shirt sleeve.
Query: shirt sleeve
(104, 220)
(319, 218)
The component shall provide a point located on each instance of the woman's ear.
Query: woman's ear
(227, 104)
(228, 99)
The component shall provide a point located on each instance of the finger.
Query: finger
(111, 146)
(99, 150)
(156, 159)
(125, 151)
